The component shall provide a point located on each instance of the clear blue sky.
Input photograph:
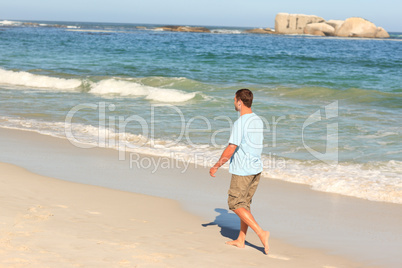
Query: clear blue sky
(253, 13)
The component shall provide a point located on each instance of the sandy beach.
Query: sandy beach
(48, 222)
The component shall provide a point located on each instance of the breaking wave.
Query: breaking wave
(106, 87)
(127, 88)
(375, 181)
(27, 79)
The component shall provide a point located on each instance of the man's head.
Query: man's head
(243, 97)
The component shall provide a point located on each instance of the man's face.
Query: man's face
(236, 105)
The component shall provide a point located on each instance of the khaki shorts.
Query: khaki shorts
(241, 191)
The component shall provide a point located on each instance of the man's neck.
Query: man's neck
(245, 110)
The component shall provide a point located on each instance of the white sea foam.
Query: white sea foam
(379, 134)
(38, 81)
(107, 87)
(226, 31)
(10, 23)
(128, 88)
(378, 181)
(375, 181)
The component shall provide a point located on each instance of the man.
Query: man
(244, 151)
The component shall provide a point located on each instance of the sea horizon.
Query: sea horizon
(394, 34)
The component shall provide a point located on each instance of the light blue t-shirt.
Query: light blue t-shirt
(247, 134)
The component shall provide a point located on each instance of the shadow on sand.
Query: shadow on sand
(230, 224)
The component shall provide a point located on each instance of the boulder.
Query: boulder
(318, 33)
(260, 31)
(58, 26)
(335, 23)
(319, 28)
(357, 27)
(184, 29)
(193, 29)
(286, 23)
(167, 28)
(381, 33)
(30, 24)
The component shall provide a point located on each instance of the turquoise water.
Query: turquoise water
(174, 94)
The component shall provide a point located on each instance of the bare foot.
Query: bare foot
(236, 243)
(264, 239)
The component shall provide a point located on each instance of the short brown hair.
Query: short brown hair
(246, 96)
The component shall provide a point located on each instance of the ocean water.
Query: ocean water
(332, 107)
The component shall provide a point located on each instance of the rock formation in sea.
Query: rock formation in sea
(322, 29)
(359, 27)
(184, 29)
(286, 23)
(335, 23)
(381, 33)
(309, 24)
(260, 31)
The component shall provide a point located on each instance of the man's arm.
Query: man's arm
(226, 155)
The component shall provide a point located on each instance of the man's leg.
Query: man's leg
(242, 189)
(241, 239)
(247, 218)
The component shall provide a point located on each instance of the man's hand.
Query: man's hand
(226, 155)
(212, 171)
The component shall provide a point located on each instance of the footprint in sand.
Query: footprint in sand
(181, 231)
(155, 257)
(93, 212)
(61, 206)
(37, 213)
(278, 257)
(128, 246)
(124, 263)
(136, 220)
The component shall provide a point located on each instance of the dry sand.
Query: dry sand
(47, 222)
